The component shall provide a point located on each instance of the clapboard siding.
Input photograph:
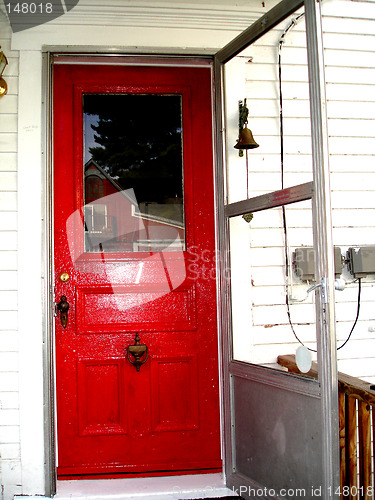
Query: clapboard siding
(8, 161)
(8, 122)
(344, 127)
(9, 383)
(349, 39)
(345, 41)
(352, 217)
(353, 10)
(8, 221)
(8, 181)
(343, 163)
(8, 261)
(344, 93)
(8, 302)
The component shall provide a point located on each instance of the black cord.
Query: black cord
(287, 279)
(357, 316)
(281, 122)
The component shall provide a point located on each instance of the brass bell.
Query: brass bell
(246, 140)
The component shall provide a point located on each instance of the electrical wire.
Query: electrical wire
(357, 316)
(281, 124)
(287, 282)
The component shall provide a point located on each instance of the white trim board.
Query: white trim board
(153, 24)
(157, 488)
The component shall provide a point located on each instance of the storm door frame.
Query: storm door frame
(319, 193)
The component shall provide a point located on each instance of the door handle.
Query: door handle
(63, 307)
(137, 351)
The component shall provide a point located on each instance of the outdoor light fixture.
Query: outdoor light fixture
(3, 83)
(245, 136)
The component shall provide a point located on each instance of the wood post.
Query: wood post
(364, 425)
(352, 447)
(342, 430)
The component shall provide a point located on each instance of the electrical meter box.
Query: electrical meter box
(361, 260)
(304, 261)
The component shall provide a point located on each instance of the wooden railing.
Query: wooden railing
(357, 425)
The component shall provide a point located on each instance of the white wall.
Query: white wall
(349, 38)
(10, 473)
(350, 59)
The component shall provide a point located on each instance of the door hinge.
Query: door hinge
(54, 303)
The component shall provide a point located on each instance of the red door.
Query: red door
(134, 258)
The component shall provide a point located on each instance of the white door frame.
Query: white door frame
(37, 404)
(34, 212)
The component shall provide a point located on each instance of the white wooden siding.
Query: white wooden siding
(349, 37)
(350, 78)
(10, 471)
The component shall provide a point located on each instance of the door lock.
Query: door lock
(63, 307)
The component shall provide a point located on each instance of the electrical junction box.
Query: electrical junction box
(304, 262)
(361, 260)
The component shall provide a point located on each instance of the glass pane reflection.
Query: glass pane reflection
(272, 311)
(133, 173)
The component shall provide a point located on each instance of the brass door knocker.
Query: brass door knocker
(137, 351)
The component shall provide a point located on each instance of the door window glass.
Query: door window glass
(272, 272)
(133, 173)
(270, 79)
(268, 150)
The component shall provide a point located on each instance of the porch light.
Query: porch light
(3, 83)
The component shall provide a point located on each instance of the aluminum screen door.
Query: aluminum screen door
(240, 379)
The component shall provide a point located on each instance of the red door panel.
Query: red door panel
(135, 270)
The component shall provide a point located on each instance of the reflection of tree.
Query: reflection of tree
(138, 141)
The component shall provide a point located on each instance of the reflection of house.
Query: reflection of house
(114, 222)
(98, 183)
(100, 216)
